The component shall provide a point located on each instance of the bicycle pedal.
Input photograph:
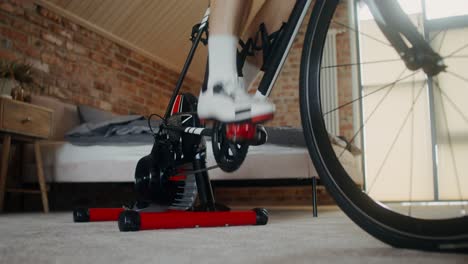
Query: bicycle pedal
(262, 119)
(247, 132)
(255, 120)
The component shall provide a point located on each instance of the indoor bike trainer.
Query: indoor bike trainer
(169, 179)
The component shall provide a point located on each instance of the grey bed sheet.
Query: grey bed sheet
(131, 129)
(134, 130)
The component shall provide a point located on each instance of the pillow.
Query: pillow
(90, 114)
(101, 128)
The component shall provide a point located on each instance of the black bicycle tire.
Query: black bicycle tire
(387, 226)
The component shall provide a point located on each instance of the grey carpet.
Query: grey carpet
(290, 237)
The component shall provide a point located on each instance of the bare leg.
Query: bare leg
(272, 13)
(227, 16)
(225, 25)
(225, 98)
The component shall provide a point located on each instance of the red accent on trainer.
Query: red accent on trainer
(178, 178)
(196, 219)
(104, 214)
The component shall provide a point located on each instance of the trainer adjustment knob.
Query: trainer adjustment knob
(129, 220)
(262, 216)
(81, 215)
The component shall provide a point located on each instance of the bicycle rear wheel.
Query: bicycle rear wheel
(435, 223)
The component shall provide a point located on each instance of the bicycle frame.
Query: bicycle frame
(391, 30)
(280, 52)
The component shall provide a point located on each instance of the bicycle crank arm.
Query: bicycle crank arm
(254, 134)
(192, 130)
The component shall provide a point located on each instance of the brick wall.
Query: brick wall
(79, 66)
(285, 94)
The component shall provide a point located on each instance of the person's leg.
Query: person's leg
(226, 16)
(272, 13)
(224, 27)
(225, 98)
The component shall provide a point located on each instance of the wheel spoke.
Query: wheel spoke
(456, 51)
(442, 41)
(457, 57)
(452, 154)
(372, 112)
(437, 34)
(452, 103)
(360, 63)
(373, 92)
(457, 75)
(411, 152)
(400, 129)
(361, 33)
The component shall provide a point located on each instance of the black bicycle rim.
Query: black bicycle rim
(390, 227)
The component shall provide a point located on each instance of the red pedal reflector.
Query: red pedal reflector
(241, 132)
(263, 118)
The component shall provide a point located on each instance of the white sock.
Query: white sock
(250, 72)
(222, 59)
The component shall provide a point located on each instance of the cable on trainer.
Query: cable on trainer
(202, 170)
(149, 122)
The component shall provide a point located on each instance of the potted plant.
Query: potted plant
(13, 77)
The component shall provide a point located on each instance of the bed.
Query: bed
(67, 162)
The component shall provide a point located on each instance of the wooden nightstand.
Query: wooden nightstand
(24, 123)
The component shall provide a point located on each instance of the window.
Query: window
(445, 8)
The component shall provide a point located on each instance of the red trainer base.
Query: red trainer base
(96, 214)
(135, 221)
